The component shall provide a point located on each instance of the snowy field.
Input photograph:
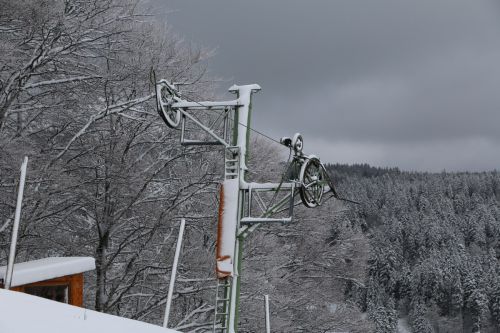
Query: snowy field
(22, 313)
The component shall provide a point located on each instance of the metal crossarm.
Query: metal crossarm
(218, 130)
(269, 200)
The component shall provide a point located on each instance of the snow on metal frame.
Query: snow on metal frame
(244, 98)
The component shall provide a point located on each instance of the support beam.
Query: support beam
(241, 137)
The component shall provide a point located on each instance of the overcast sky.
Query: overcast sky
(412, 84)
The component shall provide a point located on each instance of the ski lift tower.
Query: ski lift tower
(243, 205)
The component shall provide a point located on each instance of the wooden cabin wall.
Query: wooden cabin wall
(74, 283)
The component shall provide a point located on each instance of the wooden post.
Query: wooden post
(76, 290)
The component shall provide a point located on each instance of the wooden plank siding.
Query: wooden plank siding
(73, 282)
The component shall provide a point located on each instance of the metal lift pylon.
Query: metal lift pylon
(237, 216)
(235, 163)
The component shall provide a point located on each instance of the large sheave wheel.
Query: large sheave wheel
(165, 96)
(313, 179)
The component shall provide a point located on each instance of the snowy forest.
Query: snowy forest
(434, 248)
(107, 179)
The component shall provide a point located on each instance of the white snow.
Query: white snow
(266, 186)
(244, 98)
(403, 326)
(23, 313)
(47, 268)
(332, 307)
(226, 235)
(224, 267)
(186, 104)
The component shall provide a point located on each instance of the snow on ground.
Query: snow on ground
(403, 326)
(23, 313)
(47, 268)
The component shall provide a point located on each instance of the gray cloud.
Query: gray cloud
(406, 83)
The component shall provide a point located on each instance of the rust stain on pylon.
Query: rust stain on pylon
(219, 257)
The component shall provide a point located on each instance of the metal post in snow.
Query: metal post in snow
(240, 138)
(174, 272)
(15, 228)
(268, 320)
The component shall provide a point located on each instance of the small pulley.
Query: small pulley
(296, 143)
(307, 171)
(166, 95)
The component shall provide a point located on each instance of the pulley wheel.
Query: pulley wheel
(313, 179)
(165, 97)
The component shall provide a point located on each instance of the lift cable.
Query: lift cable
(288, 164)
(153, 82)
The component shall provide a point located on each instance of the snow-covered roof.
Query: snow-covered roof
(47, 268)
(23, 313)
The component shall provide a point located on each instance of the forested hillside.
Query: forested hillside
(434, 247)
